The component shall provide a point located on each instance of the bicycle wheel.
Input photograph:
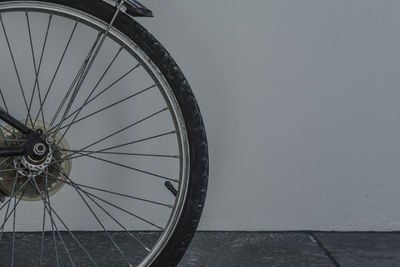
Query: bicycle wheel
(121, 179)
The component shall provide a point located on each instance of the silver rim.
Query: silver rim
(71, 119)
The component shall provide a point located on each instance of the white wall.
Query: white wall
(301, 103)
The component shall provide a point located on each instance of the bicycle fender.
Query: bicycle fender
(133, 8)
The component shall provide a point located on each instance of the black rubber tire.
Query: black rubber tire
(193, 207)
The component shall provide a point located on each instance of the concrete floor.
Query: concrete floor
(294, 249)
(221, 249)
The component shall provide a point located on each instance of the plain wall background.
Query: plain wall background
(301, 104)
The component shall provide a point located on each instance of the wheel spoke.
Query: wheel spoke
(76, 80)
(88, 64)
(37, 68)
(115, 220)
(12, 133)
(52, 223)
(11, 140)
(21, 188)
(4, 101)
(10, 214)
(97, 218)
(13, 238)
(121, 130)
(109, 106)
(51, 210)
(102, 226)
(123, 153)
(11, 196)
(128, 212)
(57, 69)
(93, 90)
(72, 183)
(4, 160)
(8, 206)
(107, 191)
(113, 147)
(48, 207)
(44, 223)
(99, 94)
(131, 168)
(6, 109)
(15, 67)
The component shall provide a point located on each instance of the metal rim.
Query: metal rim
(163, 87)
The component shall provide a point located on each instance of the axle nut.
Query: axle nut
(39, 149)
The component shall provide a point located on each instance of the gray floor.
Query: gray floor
(294, 249)
(219, 249)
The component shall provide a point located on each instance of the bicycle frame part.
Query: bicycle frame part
(133, 8)
(33, 138)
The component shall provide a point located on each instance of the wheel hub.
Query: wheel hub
(28, 166)
(46, 169)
